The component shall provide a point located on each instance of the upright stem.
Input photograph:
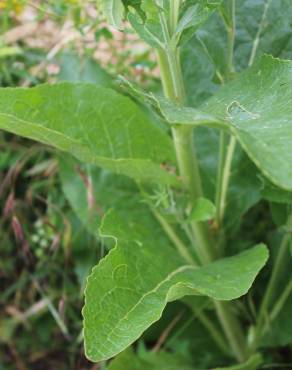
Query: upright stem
(180, 246)
(231, 36)
(224, 173)
(189, 171)
(174, 15)
(225, 157)
(232, 329)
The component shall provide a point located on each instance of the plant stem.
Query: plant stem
(230, 37)
(258, 34)
(189, 171)
(224, 173)
(214, 332)
(188, 166)
(218, 196)
(279, 305)
(180, 246)
(232, 329)
(174, 15)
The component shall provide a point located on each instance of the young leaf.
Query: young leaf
(93, 123)
(194, 13)
(146, 22)
(128, 290)
(203, 210)
(113, 11)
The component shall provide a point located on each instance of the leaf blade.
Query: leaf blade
(95, 124)
(121, 303)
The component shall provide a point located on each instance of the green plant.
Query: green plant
(173, 207)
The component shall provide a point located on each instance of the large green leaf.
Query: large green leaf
(192, 15)
(95, 124)
(128, 290)
(261, 27)
(256, 107)
(74, 68)
(264, 26)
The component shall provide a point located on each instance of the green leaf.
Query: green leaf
(150, 361)
(244, 185)
(194, 13)
(264, 26)
(176, 115)
(82, 69)
(92, 191)
(128, 290)
(203, 210)
(113, 11)
(279, 333)
(94, 124)
(145, 21)
(274, 194)
(261, 27)
(251, 364)
(258, 107)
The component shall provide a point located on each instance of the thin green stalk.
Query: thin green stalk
(278, 305)
(178, 243)
(258, 34)
(223, 178)
(222, 155)
(214, 332)
(232, 329)
(225, 156)
(231, 37)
